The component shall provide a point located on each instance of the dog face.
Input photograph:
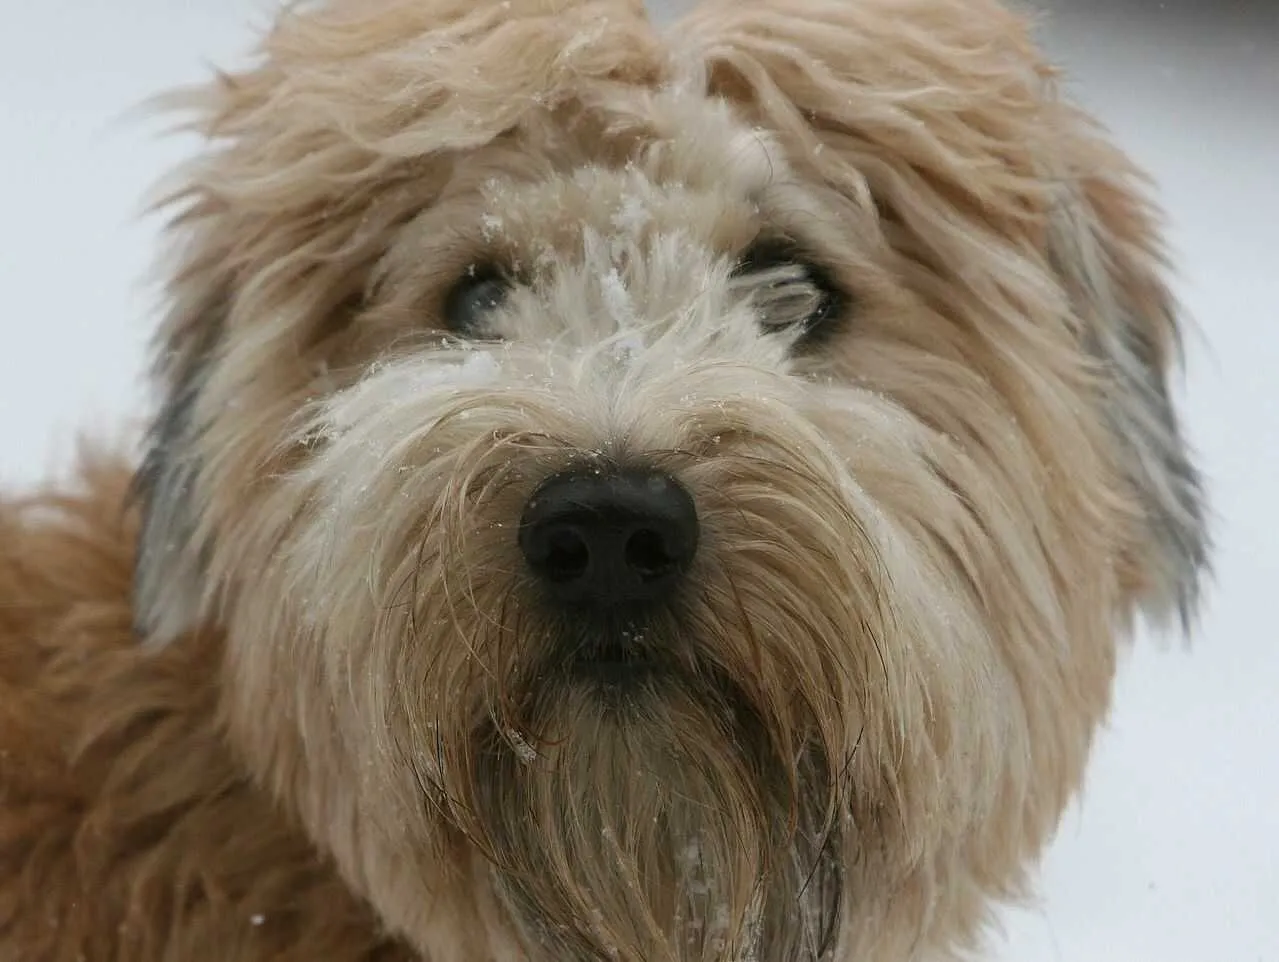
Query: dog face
(665, 498)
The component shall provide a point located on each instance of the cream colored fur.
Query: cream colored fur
(925, 537)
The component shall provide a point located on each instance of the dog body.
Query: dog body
(614, 495)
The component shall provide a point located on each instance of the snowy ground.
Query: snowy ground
(1173, 855)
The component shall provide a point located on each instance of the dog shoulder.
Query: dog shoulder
(127, 830)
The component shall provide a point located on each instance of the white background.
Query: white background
(1173, 853)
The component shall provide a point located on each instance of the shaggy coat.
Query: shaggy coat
(852, 274)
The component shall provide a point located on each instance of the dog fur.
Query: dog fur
(282, 691)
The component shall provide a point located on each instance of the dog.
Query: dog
(615, 494)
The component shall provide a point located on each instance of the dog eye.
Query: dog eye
(790, 290)
(476, 295)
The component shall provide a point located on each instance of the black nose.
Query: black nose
(604, 540)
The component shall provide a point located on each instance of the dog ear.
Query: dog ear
(167, 583)
(1104, 242)
(921, 106)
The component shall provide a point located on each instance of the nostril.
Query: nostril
(567, 555)
(648, 555)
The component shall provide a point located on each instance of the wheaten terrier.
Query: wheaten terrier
(616, 495)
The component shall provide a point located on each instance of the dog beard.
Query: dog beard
(715, 797)
(656, 817)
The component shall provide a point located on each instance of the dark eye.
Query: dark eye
(473, 298)
(790, 290)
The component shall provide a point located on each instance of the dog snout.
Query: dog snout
(601, 540)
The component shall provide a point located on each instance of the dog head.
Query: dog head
(666, 496)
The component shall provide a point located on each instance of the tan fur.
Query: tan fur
(317, 714)
(127, 829)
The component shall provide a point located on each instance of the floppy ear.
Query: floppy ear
(1105, 243)
(944, 116)
(168, 566)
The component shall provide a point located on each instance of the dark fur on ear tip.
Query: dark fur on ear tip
(1162, 468)
(1122, 326)
(160, 487)
(169, 562)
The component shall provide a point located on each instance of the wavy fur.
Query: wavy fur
(287, 692)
